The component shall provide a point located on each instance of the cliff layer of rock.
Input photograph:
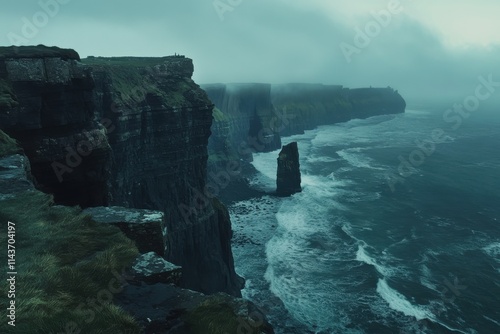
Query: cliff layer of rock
(159, 128)
(46, 103)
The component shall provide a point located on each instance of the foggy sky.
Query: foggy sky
(426, 49)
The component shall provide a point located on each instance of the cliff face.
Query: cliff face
(159, 128)
(131, 132)
(255, 116)
(246, 114)
(46, 104)
(310, 105)
(368, 102)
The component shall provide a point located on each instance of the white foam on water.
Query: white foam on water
(493, 250)
(356, 159)
(362, 255)
(313, 159)
(371, 131)
(399, 303)
(426, 278)
(309, 301)
(302, 251)
(266, 165)
(301, 266)
(493, 321)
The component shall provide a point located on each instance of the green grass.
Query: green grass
(124, 61)
(64, 260)
(8, 145)
(131, 82)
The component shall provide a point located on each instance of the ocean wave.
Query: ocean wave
(399, 303)
(362, 255)
(320, 159)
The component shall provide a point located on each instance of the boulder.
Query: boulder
(146, 227)
(151, 268)
(167, 309)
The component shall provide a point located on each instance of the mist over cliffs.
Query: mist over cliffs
(253, 117)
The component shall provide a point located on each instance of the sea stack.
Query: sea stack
(288, 178)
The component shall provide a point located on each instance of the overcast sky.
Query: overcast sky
(420, 48)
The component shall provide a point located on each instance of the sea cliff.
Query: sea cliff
(131, 133)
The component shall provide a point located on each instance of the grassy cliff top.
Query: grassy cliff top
(135, 77)
(129, 61)
(39, 51)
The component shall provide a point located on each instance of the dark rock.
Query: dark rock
(160, 127)
(151, 268)
(207, 260)
(145, 227)
(167, 309)
(46, 104)
(288, 176)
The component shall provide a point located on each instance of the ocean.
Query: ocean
(396, 229)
